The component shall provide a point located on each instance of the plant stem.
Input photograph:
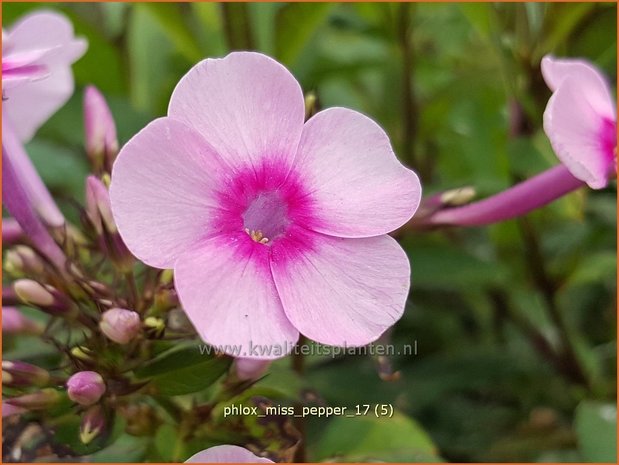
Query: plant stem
(516, 201)
(298, 365)
(409, 104)
(570, 363)
(237, 26)
(133, 289)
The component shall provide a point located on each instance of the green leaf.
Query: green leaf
(184, 370)
(150, 78)
(596, 429)
(367, 438)
(125, 449)
(62, 169)
(443, 266)
(171, 20)
(295, 23)
(565, 19)
(480, 17)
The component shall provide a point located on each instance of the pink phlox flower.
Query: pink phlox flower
(273, 226)
(37, 53)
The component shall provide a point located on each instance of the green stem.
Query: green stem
(237, 26)
(570, 363)
(409, 104)
(298, 365)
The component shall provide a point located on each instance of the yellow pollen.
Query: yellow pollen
(257, 236)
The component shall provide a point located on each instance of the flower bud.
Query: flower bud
(120, 325)
(44, 297)
(250, 369)
(20, 374)
(9, 297)
(9, 410)
(12, 232)
(14, 322)
(100, 130)
(154, 327)
(99, 211)
(41, 400)
(22, 260)
(457, 197)
(86, 387)
(93, 424)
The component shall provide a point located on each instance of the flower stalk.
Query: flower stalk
(19, 204)
(39, 197)
(516, 201)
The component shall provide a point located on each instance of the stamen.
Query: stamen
(257, 236)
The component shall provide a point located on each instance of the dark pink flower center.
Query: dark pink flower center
(608, 139)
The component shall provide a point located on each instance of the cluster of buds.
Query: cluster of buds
(84, 282)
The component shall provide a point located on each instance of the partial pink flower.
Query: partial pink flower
(273, 227)
(37, 53)
(226, 454)
(580, 119)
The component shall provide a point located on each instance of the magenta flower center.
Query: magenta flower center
(266, 217)
(608, 138)
(266, 204)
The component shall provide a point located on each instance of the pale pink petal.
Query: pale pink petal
(47, 30)
(29, 106)
(162, 191)
(591, 82)
(583, 138)
(248, 106)
(226, 454)
(226, 288)
(50, 35)
(343, 291)
(359, 187)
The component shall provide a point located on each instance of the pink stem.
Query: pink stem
(19, 205)
(511, 203)
(41, 200)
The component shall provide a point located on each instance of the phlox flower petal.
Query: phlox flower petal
(580, 120)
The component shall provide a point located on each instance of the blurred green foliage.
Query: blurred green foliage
(458, 89)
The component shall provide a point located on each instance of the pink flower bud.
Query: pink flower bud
(11, 231)
(86, 387)
(93, 424)
(14, 322)
(250, 369)
(98, 206)
(120, 325)
(9, 410)
(41, 400)
(22, 260)
(100, 129)
(44, 297)
(20, 374)
(99, 211)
